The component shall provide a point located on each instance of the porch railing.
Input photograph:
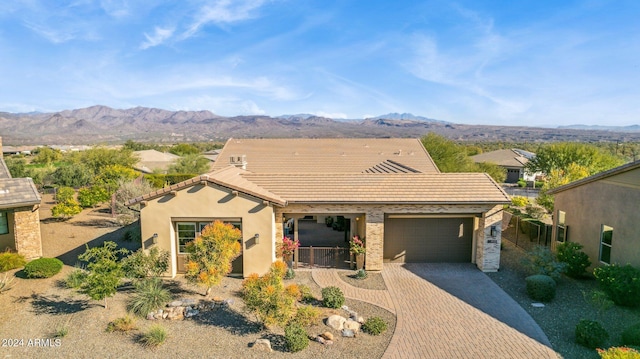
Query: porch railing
(322, 257)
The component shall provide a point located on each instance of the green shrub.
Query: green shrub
(576, 260)
(149, 296)
(132, 235)
(619, 353)
(541, 287)
(361, 274)
(631, 335)
(11, 260)
(140, 265)
(306, 316)
(522, 183)
(75, 278)
(591, 334)
(122, 324)
(374, 326)
(332, 297)
(155, 336)
(305, 294)
(295, 337)
(621, 283)
(43, 268)
(61, 331)
(520, 201)
(540, 260)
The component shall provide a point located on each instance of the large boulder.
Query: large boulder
(352, 325)
(336, 322)
(262, 345)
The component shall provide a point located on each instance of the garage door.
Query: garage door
(446, 240)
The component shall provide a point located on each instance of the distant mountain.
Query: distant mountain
(105, 125)
(632, 128)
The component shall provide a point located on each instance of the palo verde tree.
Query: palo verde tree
(558, 156)
(195, 164)
(211, 253)
(104, 271)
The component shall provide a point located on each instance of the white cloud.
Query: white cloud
(338, 115)
(159, 36)
(116, 8)
(223, 12)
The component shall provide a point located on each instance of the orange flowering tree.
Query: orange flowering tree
(211, 253)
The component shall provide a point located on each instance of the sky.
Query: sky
(511, 63)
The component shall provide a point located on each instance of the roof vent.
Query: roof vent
(239, 161)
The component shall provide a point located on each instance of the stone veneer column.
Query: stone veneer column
(374, 235)
(488, 247)
(26, 229)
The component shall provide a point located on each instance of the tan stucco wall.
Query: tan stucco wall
(590, 206)
(210, 201)
(26, 229)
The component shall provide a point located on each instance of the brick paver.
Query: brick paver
(449, 311)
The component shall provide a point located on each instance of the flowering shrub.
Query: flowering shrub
(618, 353)
(288, 246)
(357, 245)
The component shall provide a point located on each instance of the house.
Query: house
(19, 217)
(601, 213)
(513, 160)
(388, 191)
(152, 160)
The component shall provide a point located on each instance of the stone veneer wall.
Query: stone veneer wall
(26, 229)
(487, 254)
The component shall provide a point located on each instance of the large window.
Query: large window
(4, 223)
(606, 237)
(561, 228)
(188, 231)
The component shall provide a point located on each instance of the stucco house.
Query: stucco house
(388, 191)
(601, 213)
(19, 217)
(513, 160)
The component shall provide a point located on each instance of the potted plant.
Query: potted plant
(357, 248)
(287, 248)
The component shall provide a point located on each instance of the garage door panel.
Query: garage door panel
(428, 239)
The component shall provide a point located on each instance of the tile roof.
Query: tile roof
(16, 192)
(507, 158)
(150, 160)
(598, 176)
(4, 170)
(327, 155)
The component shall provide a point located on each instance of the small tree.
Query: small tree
(92, 196)
(104, 271)
(211, 254)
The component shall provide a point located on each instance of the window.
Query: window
(4, 223)
(188, 231)
(606, 237)
(561, 228)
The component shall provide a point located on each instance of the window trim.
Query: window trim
(604, 228)
(561, 227)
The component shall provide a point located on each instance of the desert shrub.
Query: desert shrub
(60, 331)
(141, 265)
(631, 335)
(43, 268)
(269, 299)
(295, 337)
(92, 196)
(149, 295)
(374, 326)
(361, 274)
(522, 183)
(305, 294)
(519, 201)
(540, 260)
(619, 353)
(155, 336)
(11, 260)
(6, 283)
(75, 278)
(306, 316)
(541, 287)
(576, 260)
(279, 268)
(332, 297)
(122, 324)
(621, 283)
(290, 274)
(591, 334)
(132, 235)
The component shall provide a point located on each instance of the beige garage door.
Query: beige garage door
(447, 240)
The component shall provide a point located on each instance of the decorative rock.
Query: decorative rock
(344, 307)
(263, 345)
(175, 303)
(352, 325)
(227, 302)
(328, 342)
(360, 320)
(327, 335)
(176, 314)
(336, 322)
(165, 315)
(537, 305)
(348, 333)
(188, 302)
(217, 299)
(150, 316)
(190, 312)
(321, 340)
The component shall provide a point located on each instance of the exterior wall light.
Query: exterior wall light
(155, 238)
(494, 231)
(257, 238)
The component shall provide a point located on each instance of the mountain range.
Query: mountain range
(102, 124)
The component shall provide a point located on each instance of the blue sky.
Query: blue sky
(538, 62)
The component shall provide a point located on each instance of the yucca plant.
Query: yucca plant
(149, 296)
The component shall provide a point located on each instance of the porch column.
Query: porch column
(488, 245)
(374, 236)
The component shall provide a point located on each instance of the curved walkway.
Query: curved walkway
(449, 311)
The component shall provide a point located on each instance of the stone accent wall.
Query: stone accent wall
(26, 229)
(487, 246)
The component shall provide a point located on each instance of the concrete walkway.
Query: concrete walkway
(449, 311)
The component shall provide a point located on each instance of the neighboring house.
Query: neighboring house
(601, 212)
(211, 155)
(389, 191)
(19, 217)
(513, 160)
(152, 160)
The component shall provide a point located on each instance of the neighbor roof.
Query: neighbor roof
(150, 160)
(334, 155)
(598, 176)
(505, 158)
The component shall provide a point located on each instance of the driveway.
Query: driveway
(456, 311)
